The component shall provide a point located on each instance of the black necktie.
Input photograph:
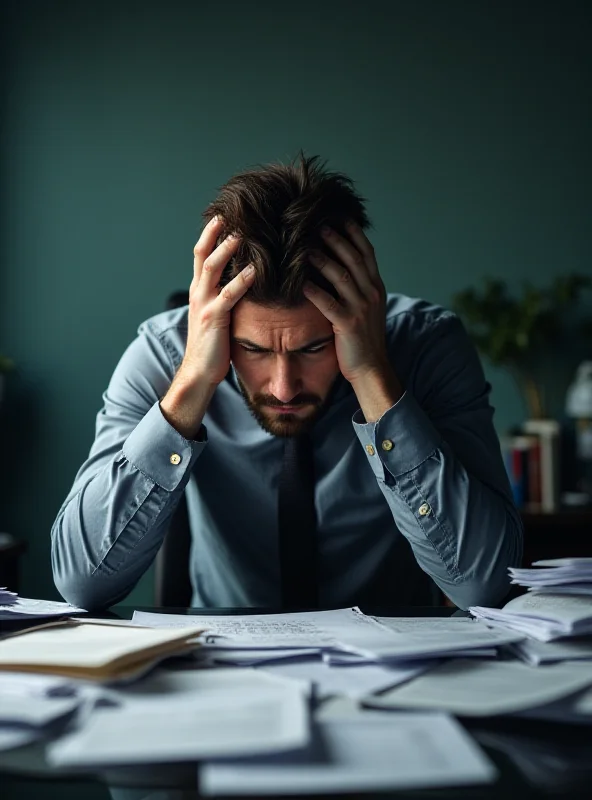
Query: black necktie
(297, 525)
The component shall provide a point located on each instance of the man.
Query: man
(289, 332)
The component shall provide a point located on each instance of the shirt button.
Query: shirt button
(387, 445)
(369, 449)
(424, 510)
(175, 459)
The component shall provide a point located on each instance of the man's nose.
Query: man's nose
(285, 381)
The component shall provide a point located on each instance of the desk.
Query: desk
(24, 773)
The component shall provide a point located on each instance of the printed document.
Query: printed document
(311, 629)
(190, 716)
(367, 752)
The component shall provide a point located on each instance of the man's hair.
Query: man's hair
(278, 210)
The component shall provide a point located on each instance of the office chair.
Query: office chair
(172, 586)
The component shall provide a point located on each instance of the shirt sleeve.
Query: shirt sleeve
(437, 460)
(114, 519)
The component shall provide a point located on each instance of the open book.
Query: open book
(92, 650)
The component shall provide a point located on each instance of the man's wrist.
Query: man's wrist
(377, 391)
(185, 405)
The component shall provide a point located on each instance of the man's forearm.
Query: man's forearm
(185, 404)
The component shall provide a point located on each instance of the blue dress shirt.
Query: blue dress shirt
(421, 491)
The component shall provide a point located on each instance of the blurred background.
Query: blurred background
(466, 124)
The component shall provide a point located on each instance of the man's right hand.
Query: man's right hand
(207, 353)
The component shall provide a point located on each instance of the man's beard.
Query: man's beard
(284, 425)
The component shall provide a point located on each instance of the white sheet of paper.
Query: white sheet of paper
(189, 716)
(35, 685)
(34, 711)
(418, 644)
(254, 658)
(337, 659)
(364, 753)
(353, 682)
(535, 653)
(486, 688)
(428, 624)
(26, 607)
(16, 737)
(312, 629)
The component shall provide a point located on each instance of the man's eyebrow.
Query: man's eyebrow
(255, 346)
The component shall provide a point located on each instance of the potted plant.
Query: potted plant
(516, 332)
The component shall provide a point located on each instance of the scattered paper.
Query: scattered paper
(310, 630)
(254, 658)
(15, 736)
(25, 607)
(418, 644)
(189, 716)
(470, 688)
(34, 711)
(353, 682)
(365, 753)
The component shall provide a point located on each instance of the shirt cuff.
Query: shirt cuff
(160, 452)
(402, 439)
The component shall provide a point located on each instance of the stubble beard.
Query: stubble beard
(284, 425)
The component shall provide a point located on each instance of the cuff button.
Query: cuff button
(424, 510)
(175, 459)
(387, 444)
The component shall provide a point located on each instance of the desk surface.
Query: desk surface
(534, 759)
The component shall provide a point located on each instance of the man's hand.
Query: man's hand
(358, 318)
(207, 354)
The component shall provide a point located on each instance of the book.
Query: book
(547, 431)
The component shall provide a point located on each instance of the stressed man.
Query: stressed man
(290, 336)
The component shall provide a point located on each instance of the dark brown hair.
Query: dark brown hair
(278, 210)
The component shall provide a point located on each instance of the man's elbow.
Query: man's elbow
(91, 592)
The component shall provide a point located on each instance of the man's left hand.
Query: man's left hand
(359, 317)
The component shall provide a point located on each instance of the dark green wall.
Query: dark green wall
(467, 125)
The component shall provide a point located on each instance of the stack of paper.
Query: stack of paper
(344, 635)
(536, 653)
(557, 576)
(14, 607)
(337, 652)
(7, 597)
(92, 651)
(542, 616)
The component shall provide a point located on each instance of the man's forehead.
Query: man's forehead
(252, 318)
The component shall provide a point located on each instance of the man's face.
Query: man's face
(271, 377)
